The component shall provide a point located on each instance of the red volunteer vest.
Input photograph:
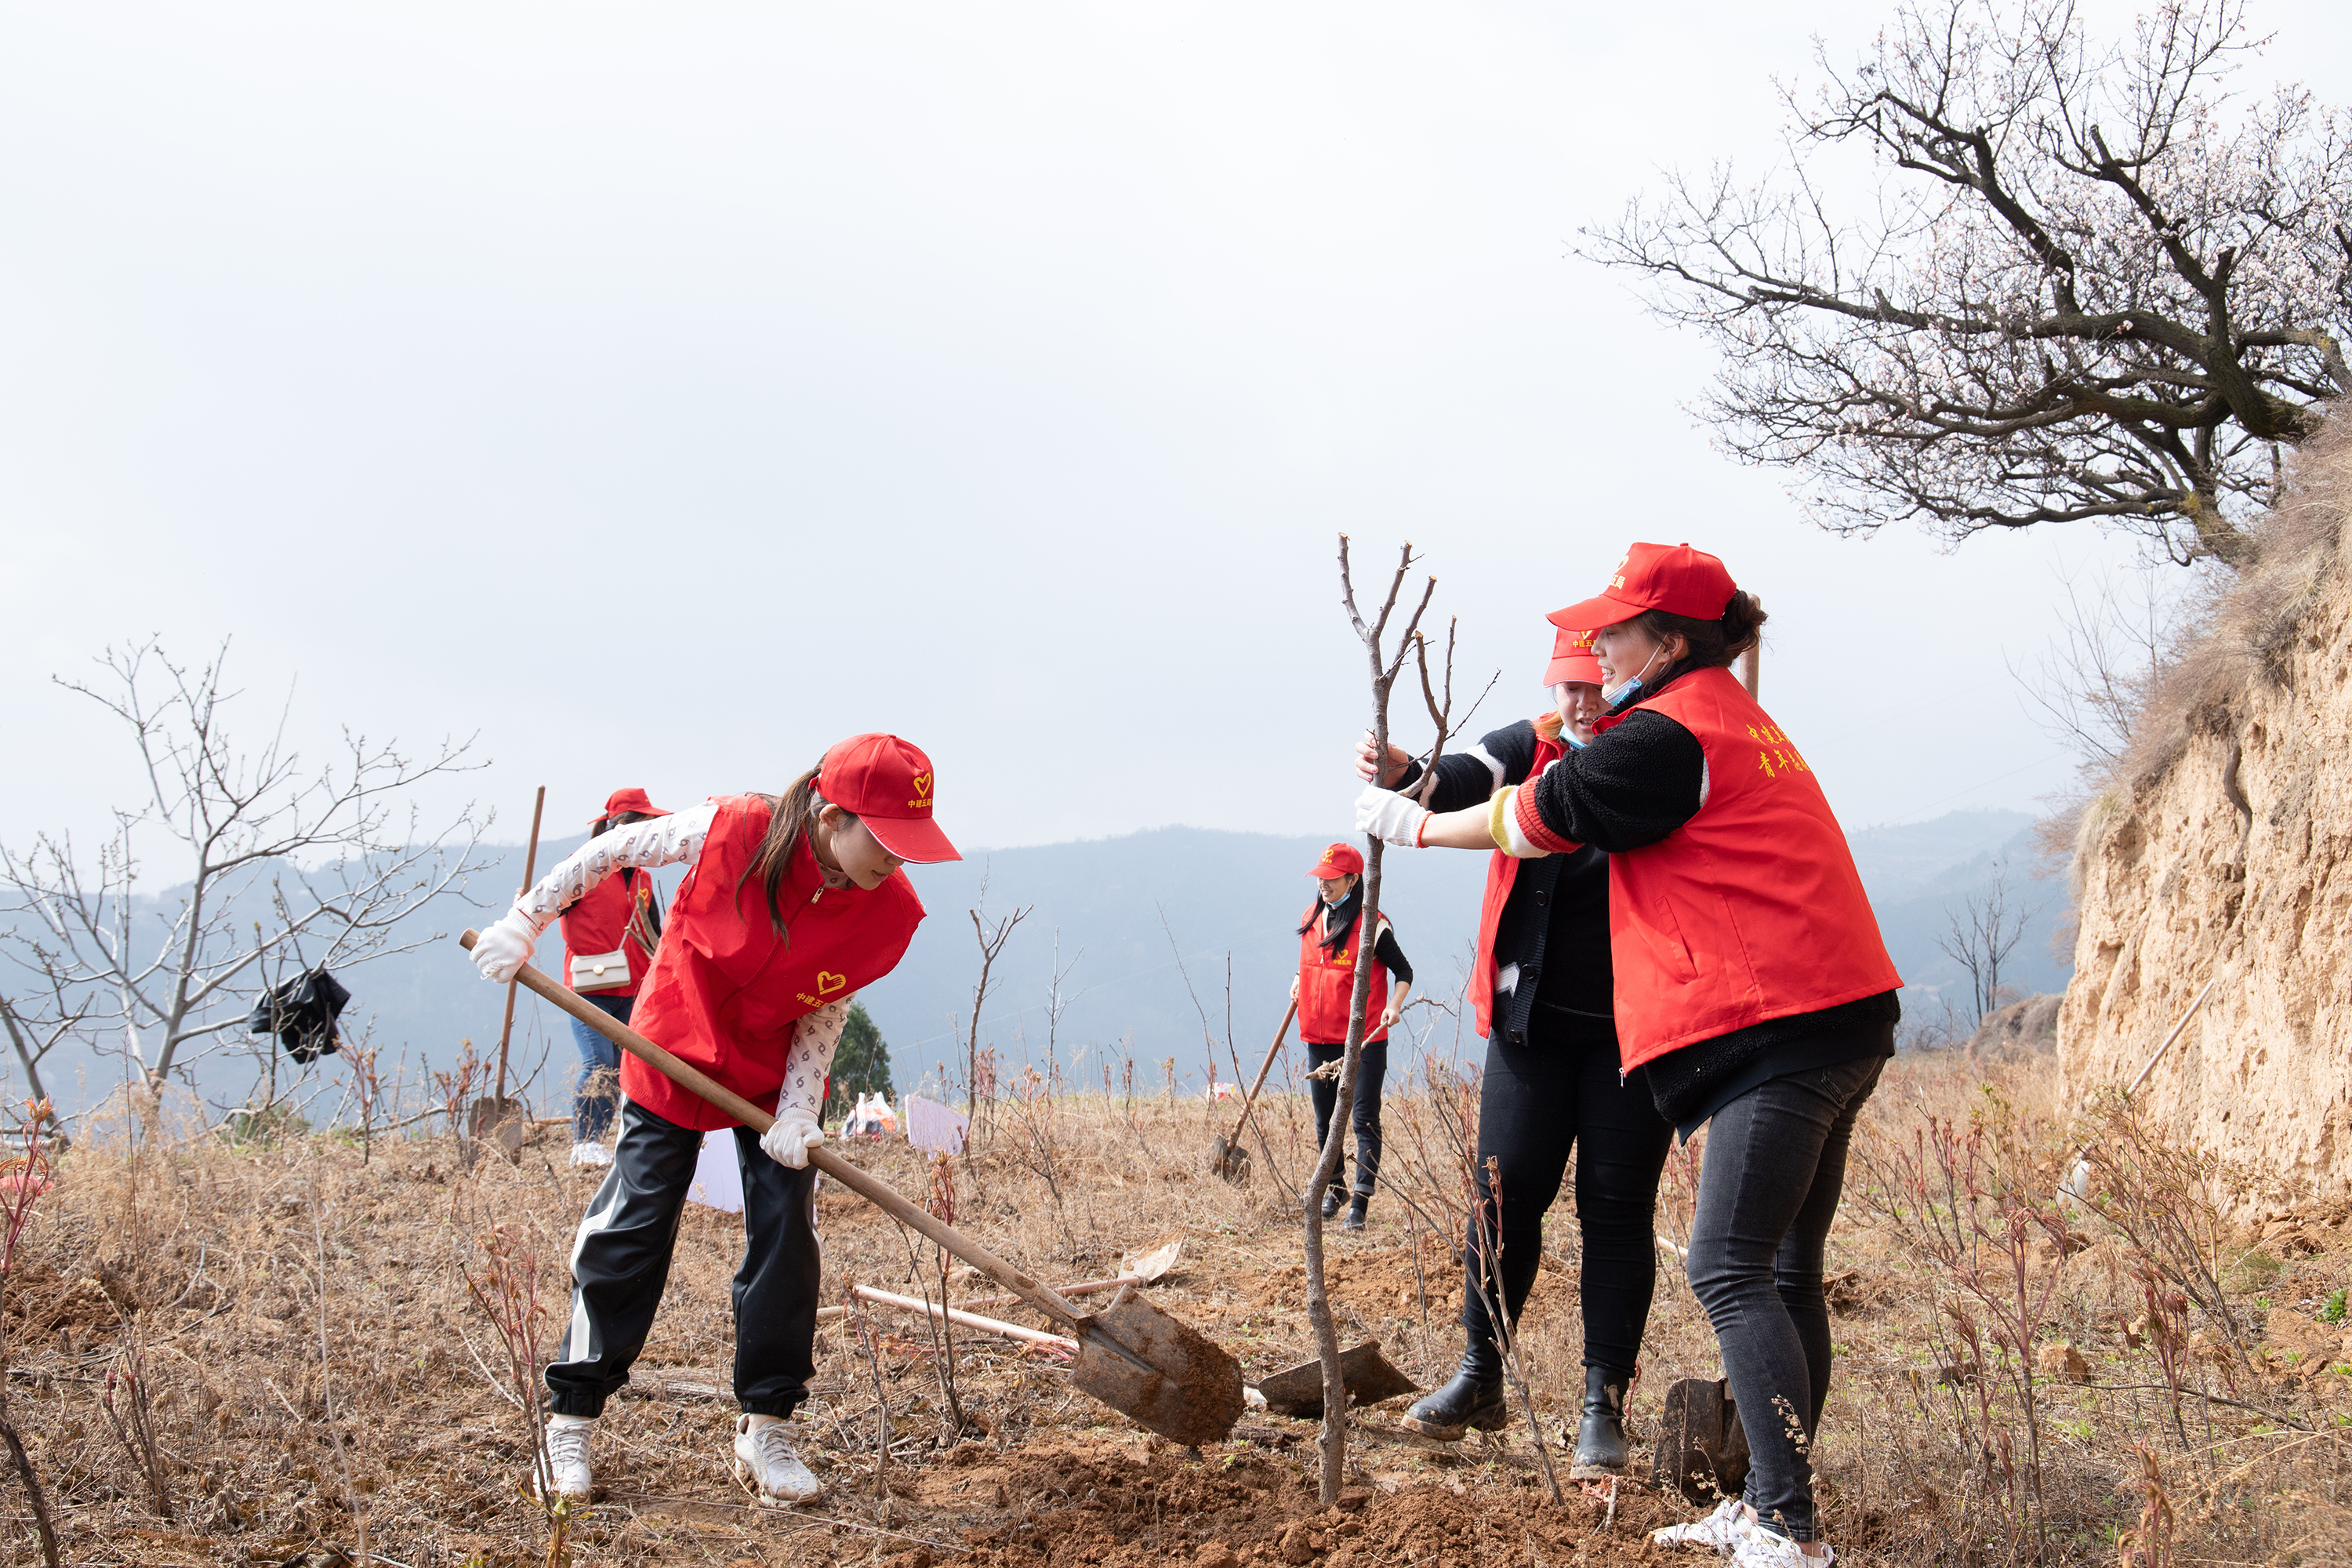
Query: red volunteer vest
(1327, 985)
(1750, 910)
(599, 923)
(1502, 870)
(725, 990)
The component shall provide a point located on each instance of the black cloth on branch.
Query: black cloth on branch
(301, 1013)
(1553, 943)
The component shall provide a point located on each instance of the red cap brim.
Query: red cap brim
(1573, 667)
(914, 839)
(1592, 614)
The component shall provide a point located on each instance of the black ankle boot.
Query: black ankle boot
(1600, 1448)
(1355, 1220)
(1330, 1202)
(1473, 1399)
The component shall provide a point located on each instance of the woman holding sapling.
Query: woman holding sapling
(1325, 990)
(1551, 1090)
(610, 934)
(1751, 988)
(791, 903)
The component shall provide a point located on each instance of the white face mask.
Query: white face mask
(1614, 697)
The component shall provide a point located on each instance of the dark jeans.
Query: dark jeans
(1775, 1166)
(1557, 1094)
(621, 1261)
(1363, 1115)
(594, 1092)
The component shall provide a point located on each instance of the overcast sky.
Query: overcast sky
(663, 392)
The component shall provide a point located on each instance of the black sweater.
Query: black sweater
(1551, 945)
(1638, 782)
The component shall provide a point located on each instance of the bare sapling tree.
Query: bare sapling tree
(34, 1031)
(992, 946)
(24, 1177)
(1980, 934)
(240, 865)
(2098, 283)
(1333, 1443)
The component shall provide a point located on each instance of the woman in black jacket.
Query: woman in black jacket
(1551, 1089)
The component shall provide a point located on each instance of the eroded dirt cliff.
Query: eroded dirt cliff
(2223, 852)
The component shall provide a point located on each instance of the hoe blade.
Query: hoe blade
(1364, 1372)
(1167, 1375)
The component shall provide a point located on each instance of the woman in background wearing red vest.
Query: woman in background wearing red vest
(1325, 990)
(1552, 1090)
(791, 904)
(610, 934)
(1750, 981)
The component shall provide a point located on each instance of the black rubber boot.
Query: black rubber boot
(1355, 1220)
(1601, 1447)
(1330, 1202)
(1472, 1400)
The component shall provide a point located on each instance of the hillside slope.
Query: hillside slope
(2224, 852)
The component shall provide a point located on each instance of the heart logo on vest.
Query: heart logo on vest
(922, 784)
(827, 983)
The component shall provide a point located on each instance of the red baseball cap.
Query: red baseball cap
(1339, 860)
(623, 800)
(1572, 660)
(1670, 577)
(888, 784)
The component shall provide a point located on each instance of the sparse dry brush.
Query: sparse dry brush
(313, 1361)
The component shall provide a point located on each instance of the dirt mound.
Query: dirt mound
(1128, 1505)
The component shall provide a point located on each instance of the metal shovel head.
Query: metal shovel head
(1364, 1372)
(1230, 1161)
(1167, 1375)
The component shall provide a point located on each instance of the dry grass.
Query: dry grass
(313, 1361)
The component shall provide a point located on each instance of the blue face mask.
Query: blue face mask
(1632, 688)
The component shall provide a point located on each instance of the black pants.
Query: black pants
(621, 1261)
(1557, 1094)
(1766, 1193)
(1363, 1115)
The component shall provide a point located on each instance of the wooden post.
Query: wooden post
(1747, 663)
(530, 872)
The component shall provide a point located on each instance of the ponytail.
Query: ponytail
(1709, 645)
(793, 815)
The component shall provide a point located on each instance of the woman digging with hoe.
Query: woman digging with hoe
(1540, 989)
(792, 903)
(1325, 988)
(1750, 981)
(610, 935)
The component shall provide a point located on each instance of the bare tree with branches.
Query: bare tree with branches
(1981, 933)
(268, 867)
(1333, 1443)
(2101, 285)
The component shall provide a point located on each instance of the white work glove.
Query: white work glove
(790, 1139)
(1390, 816)
(505, 946)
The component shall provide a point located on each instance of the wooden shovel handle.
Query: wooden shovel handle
(1265, 1067)
(694, 1081)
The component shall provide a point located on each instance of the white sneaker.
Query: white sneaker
(591, 1154)
(1763, 1549)
(567, 1454)
(1731, 1524)
(764, 1457)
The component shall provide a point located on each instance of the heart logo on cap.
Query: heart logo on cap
(922, 784)
(827, 983)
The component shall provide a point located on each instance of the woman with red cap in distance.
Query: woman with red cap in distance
(790, 905)
(610, 934)
(1552, 1090)
(1325, 990)
(1750, 981)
